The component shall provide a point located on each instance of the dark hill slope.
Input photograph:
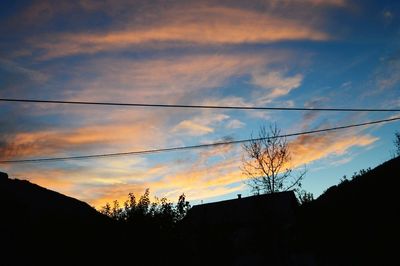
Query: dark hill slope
(356, 222)
(38, 202)
(40, 226)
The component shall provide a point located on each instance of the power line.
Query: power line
(200, 106)
(35, 160)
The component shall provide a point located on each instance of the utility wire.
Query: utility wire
(36, 160)
(201, 106)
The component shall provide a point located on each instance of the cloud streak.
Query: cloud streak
(309, 148)
(204, 174)
(198, 25)
(61, 142)
(275, 84)
(242, 53)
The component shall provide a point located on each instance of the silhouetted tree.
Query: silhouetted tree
(106, 210)
(130, 207)
(360, 173)
(116, 212)
(267, 163)
(304, 196)
(160, 213)
(397, 143)
(182, 207)
(344, 179)
(144, 203)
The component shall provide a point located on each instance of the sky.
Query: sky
(288, 53)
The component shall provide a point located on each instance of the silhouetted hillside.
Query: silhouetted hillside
(38, 202)
(40, 226)
(355, 222)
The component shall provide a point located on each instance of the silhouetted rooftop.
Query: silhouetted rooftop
(254, 209)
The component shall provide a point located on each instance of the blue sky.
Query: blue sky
(304, 53)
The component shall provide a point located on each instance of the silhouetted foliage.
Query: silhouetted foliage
(360, 173)
(354, 222)
(397, 143)
(182, 207)
(143, 223)
(343, 180)
(267, 163)
(116, 211)
(106, 210)
(304, 197)
(160, 212)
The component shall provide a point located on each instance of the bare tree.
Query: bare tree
(266, 163)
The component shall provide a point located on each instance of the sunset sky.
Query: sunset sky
(288, 53)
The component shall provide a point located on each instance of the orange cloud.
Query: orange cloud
(199, 25)
(202, 183)
(339, 3)
(165, 79)
(309, 148)
(213, 172)
(192, 128)
(322, 3)
(62, 141)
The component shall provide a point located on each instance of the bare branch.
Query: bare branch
(266, 162)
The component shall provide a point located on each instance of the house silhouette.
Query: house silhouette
(254, 230)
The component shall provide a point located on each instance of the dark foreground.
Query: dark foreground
(354, 223)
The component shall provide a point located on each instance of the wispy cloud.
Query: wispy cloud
(14, 68)
(275, 85)
(195, 24)
(200, 125)
(234, 124)
(164, 79)
(186, 52)
(387, 74)
(339, 3)
(309, 148)
(211, 172)
(167, 80)
(63, 141)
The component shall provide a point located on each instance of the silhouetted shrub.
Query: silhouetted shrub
(397, 143)
(360, 173)
(159, 213)
(304, 196)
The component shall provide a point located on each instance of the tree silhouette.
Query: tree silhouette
(182, 207)
(305, 197)
(159, 213)
(266, 163)
(116, 211)
(397, 143)
(147, 227)
(106, 210)
(144, 203)
(130, 207)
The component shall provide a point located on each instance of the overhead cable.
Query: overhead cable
(151, 151)
(151, 105)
